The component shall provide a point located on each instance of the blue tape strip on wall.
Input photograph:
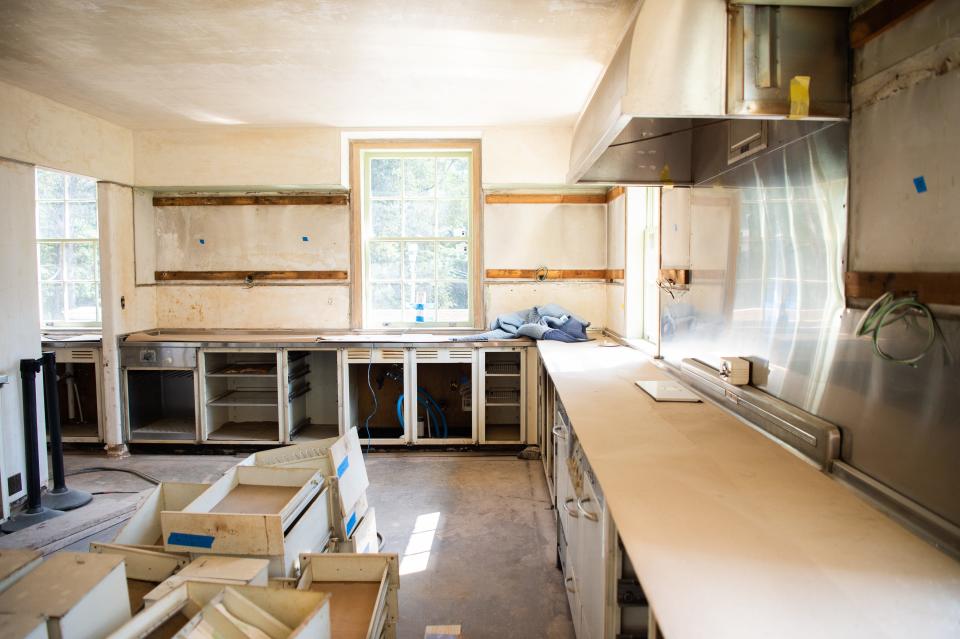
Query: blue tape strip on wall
(342, 468)
(186, 539)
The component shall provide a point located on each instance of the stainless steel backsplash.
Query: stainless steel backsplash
(765, 241)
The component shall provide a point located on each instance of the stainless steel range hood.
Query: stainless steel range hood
(685, 64)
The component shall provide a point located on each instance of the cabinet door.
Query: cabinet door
(590, 563)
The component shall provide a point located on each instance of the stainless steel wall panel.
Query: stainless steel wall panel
(767, 254)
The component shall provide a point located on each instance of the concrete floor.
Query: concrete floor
(477, 541)
(476, 534)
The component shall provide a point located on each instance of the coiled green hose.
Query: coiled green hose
(878, 315)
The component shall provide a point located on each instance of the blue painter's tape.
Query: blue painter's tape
(306, 239)
(351, 524)
(342, 468)
(920, 184)
(186, 539)
(203, 241)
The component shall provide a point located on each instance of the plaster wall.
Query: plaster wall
(36, 130)
(19, 316)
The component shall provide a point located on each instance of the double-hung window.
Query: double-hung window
(68, 252)
(417, 214)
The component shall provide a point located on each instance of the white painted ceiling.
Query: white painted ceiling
(346, 63)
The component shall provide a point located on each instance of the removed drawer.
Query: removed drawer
(363, 588)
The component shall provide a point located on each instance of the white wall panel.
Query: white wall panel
(265, 238)
(587, 299)
(557, 236)
(297, 306)
(19, 310)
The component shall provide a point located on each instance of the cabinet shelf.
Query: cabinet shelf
(245, 398)
(245, 370)
(506, 369)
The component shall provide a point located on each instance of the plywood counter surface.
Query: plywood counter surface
(732, 535)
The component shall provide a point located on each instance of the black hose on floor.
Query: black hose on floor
(98, 469)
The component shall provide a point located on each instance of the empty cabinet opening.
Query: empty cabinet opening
(501, 420)
(312, 395)
(161, 405)
(387, 383)
(242, 397)
(444, 401)
(77, 389)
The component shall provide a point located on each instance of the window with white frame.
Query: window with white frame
(417, 236)
(68, 252)
(643, 263)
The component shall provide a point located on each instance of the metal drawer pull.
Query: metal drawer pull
(558, 432)
(586, 513)
(569, 581)
(566, 506)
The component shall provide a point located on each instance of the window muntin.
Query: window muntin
(68, 252)
(417, 230)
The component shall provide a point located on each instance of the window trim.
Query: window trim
(357, 191)
(62, 242)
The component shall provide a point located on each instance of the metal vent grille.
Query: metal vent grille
(392, 354)
(464, 354)
(427, 354)
(81, 355)
(358, 354)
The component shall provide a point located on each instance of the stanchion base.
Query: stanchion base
(25, 520)
(68, 499)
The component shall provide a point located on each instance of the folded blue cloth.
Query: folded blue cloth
(550, 321)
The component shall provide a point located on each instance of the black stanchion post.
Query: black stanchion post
(35, 512)
(60, 497)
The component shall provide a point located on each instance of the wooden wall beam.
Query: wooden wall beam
(257, 276)
(546, 198)
(614, 193)
(929, 288)
(340, 199)
(881, 17)
(553, 274)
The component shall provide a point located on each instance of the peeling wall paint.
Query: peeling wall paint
(39, 131)
(138, 312)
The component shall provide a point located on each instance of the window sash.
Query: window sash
(62, 281)
(437, 280)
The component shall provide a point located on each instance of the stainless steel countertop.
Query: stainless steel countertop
(309, 339)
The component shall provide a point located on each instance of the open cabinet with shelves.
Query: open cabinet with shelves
(502, 405)
(241, 396)
(78, 388)
(313, 395)
(444, 408)
(374, 381)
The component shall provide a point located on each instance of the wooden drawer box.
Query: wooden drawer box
(140, 541)
(208, 609)
(15, 563)
(362, 537)
(340, 459)
(255, 511)
(363, 589)
(76, 592)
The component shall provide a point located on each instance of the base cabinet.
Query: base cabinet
(606, 601)
(394, 396)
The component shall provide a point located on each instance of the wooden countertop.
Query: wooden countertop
(734, 536)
